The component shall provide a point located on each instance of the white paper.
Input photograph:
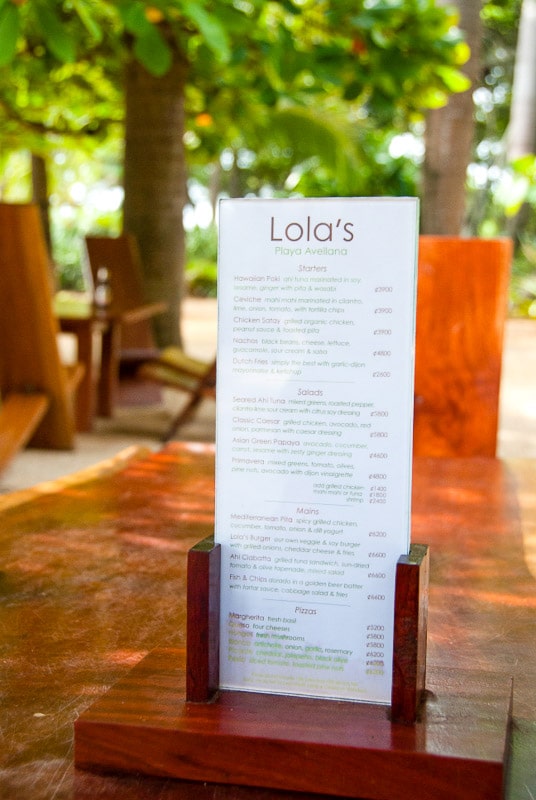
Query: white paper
(316, 309)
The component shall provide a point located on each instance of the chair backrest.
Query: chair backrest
(121, 256)
(29, 357)
(461, 310)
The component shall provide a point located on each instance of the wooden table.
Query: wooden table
(107, 324)
(93, 577)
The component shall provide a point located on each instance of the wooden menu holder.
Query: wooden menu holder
(411, 608)
(447, 741)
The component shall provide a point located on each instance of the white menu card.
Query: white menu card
(316, 315)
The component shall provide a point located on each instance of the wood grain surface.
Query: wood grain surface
(461, 310)
(93, 578)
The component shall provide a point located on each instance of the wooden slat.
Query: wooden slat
(29, 357)
(74, 374)
(410, 634)
(20, 414)
(203, 621)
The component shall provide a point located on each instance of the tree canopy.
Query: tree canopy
(61, 62)
(307, 95)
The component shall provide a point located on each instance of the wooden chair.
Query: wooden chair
(461, 311)
(192, 377)
(121, 256)
(171, 367)
(37, 390)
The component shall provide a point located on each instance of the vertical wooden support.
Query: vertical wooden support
(458, 346)
(410, 629)
(203, 621)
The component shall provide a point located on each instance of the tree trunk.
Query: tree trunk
(521, 135)
(449, 141)
(40, 195)
(155, 185)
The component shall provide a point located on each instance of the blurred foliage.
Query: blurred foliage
(517, 196)
(487, 213)
(523, 282)
(201, 261)
(288, 97)
(296, 90)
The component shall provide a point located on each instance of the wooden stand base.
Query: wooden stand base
(457, 748)
(169, 719)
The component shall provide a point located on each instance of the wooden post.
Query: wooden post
(410, 629)
(462, 294)
(203, 621)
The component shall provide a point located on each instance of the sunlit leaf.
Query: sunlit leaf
(462, 53)
(453, 79)
(433, 98)
(525, 165)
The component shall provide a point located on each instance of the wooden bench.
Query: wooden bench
(29, 358)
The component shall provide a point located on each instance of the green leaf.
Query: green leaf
(289, 6)
(462, 53)
(150, 48)
(210, 27)
(87, 20)
(153, 52)
(453, 79)
(525, 165)
(134, 19)
(9, 32)
(57, 40)
(352, 90)
(432, 98)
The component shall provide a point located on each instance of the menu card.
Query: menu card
(316, 310)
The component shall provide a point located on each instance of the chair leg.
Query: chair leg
(182, 416)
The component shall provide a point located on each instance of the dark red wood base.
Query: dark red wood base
(457, 748)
